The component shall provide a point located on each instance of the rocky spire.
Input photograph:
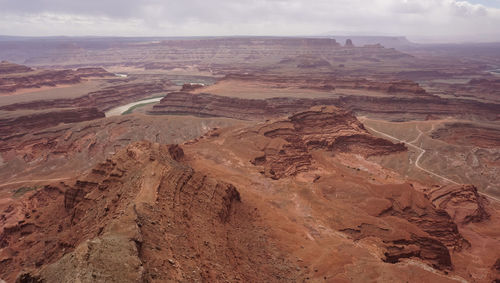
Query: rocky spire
(348, 43)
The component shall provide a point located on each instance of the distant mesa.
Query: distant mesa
(403, 97)
(348, 43)
(14, 77)
(19, 124)
(191, 86)
(103, 99)
(387, 41)
(11, 68)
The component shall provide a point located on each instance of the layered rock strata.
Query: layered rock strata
(209, 105)
(140, 215)
(20, 124)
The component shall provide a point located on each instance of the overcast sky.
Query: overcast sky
(419, 20)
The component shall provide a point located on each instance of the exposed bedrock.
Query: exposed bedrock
(138, 216)
(463, 203)
(291, 140)
(468, 134)
(15, 125)
(394, 87)
(14, 77)
(104, 99)
(417, 229)
(210, 105)
(11, 68)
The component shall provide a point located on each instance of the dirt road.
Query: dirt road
(422, 152)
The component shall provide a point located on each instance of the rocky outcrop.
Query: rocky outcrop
(38, 79)
(426, 232)
(191, 87)
(217, 54)
(11, 68)
(309, 157)
(139, 215)
(348, 43)
(413, 207)
(20, 124)
(329, 128)
(311, 43)
(14, 77)
(92, 72)
(206, 105)
(486, 83)
(402, 108)
(201, 210)
(484, 88)
(467, 134)
(311, 62)
(427, 249)
(79, 146)
(399, 95)
(463, 203)
(496, 270)
(399, 87)
(103, 99)
(398, 108)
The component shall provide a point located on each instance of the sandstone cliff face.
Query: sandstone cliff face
(104, 99)
(484, 87)
(220, 55)
(401, 99)
(326, 128)
(418, 229)
(302, 168)
(140, 215)
(311, 62)
(302, 43)
(395, 87)
(202, 211)
(92, 72)
(463, 203)
(79, 146)
(419, 108)
(442, 230)
(348, 43)
(11, 68)
(208, 105)
(19, 125)
(14, 77)
(467, 134)
(401, 108)
(190, 87)
(36, 80)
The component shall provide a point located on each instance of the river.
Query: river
(495, 72)
(120, 109)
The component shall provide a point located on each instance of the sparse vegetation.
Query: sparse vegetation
(22, 190)
(353, 168)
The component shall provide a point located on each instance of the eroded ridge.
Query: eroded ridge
(140, 215)
(291, 141)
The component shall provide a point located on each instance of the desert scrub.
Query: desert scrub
(22, 190)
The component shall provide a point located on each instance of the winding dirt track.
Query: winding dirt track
(422, 152)
(33, 181)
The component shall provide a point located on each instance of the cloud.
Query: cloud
(465, 9)
(438, 20)
(410, 7)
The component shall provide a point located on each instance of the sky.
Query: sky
(419, 20)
